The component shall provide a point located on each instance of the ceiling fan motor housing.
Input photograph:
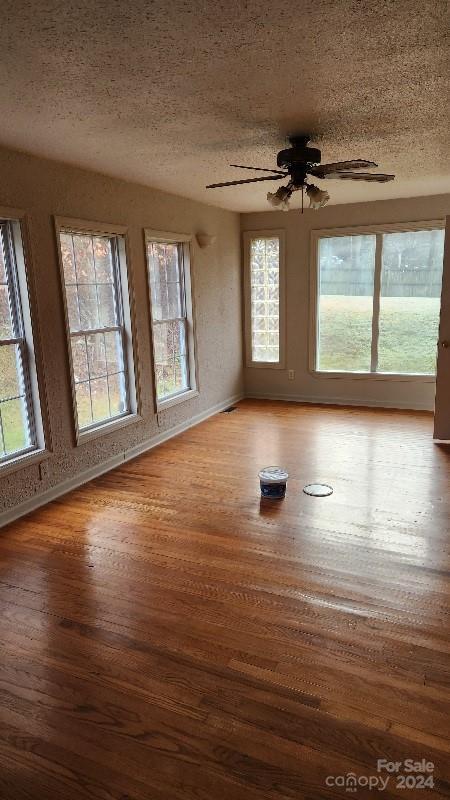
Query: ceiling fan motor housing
(298, 155)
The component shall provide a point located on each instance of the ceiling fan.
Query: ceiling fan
(299, 161)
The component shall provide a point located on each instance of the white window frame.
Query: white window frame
(185, 241)
(29, 340)
(120, 234)
(248, 237)
(378, 230)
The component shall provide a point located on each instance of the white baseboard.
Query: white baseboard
(343, 401)
(32, 503)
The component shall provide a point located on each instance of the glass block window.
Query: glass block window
(265, 299)
(168, 266)
(92, 284)
(17, 418)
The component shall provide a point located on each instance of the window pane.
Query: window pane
(84, 258)
(117, 393)
(6, 325)
(265, 310)
(411, 281)
(73, 308)
(174, 300)
(113, 350)
(160, 343)
(15, 425)
(178, 332)
(83, 397)
(165, 280)
(159, 380)
(100, 401)
(2, 263)
(96, 354)
(106, 306)
(67, 258)
(172, 255)
(11, 380)
(180, 373)
(103, 260)
(163, 343)
(87, 299)
(345, 303)
(158, 282)
(169, 341)
(79, 359)
(98, 358)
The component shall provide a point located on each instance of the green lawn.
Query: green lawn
(407, 338)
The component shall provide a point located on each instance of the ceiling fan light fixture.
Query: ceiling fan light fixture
(317, 197)
(280, 198)
(299, 162)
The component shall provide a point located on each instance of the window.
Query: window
(168, 259)
(98, 318)
(378, 301)
(264, 298)
(20, 420)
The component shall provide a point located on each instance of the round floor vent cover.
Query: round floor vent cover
(318, 489)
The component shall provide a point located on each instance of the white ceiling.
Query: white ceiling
(168, 93)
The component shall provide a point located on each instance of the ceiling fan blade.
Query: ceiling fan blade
(249, 180)
(358, 163)
(259, 169)
(358, 176)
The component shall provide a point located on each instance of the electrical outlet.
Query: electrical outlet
(291, 374)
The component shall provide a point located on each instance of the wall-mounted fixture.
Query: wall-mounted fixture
(205, 240)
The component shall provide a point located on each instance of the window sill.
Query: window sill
(23, 461)
(375, 376)
(107, 427)
(161, 405)
(265, 365)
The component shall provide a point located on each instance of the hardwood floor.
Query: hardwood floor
(167, 636)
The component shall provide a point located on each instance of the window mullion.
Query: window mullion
(168, 320)
(6, 342)
(376, 302)
(93, 331)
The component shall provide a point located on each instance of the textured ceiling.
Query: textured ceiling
(169, 93)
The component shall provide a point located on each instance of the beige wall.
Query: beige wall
(43, 188)
(306, 386)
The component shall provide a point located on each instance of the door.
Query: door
(442, 408)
